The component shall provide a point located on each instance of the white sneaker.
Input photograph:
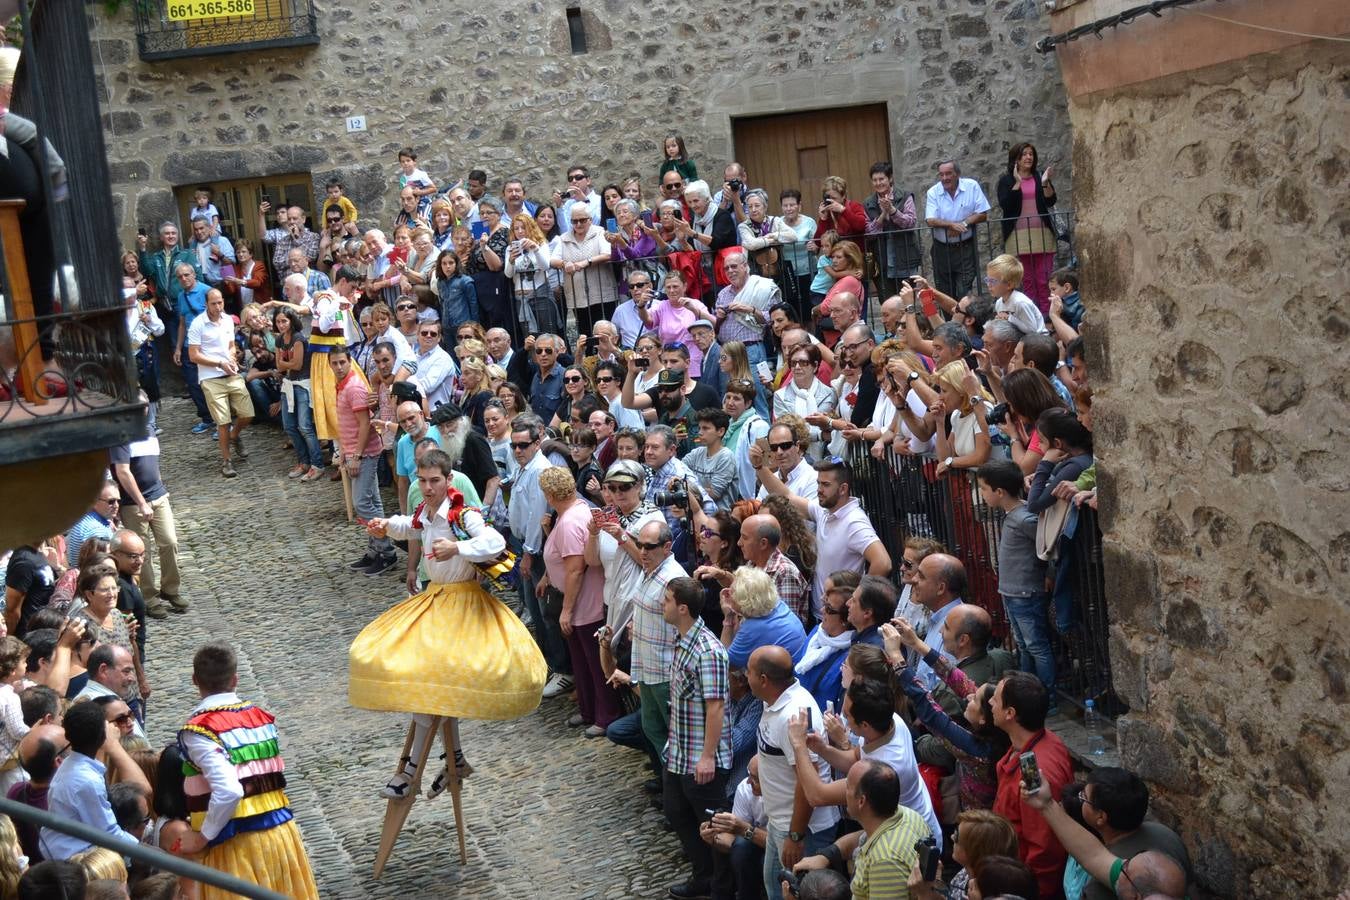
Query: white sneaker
(558, 685)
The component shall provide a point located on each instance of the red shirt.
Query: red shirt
(353, 396)
(850, 224)
(1036, 843)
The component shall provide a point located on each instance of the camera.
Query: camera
(736, 185)
(678, 497)
(998, 415)
(793, 882)
(929, 858)
(640, 362)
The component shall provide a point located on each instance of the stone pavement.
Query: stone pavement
(548, 813)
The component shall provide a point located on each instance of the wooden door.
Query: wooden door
(798, 150)
(238, 203)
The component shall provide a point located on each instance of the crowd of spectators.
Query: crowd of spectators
(662, 409)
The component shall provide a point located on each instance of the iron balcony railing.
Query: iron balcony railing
(173, 29)
(905, 497)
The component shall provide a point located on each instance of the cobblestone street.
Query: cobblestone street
(549, 814)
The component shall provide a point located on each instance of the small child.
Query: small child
(1021, 573)
(1003, 275)
(413, 177)
(825, 277)
(677, 158)
(203, 208)
(335, 197)
(13, 666)
(1064, 285)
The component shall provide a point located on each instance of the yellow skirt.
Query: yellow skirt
(452, 650)
(274, 859)
(323, 395)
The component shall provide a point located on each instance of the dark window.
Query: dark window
(576, 30)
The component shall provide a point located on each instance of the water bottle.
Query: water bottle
(1096, 743)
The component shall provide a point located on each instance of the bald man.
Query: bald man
(795, 829)
(892, 312)
(40, 753)
(939, 583)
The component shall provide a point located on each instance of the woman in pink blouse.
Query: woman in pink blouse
(670, 318)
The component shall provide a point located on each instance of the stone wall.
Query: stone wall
(1213, 231)
(500, 90)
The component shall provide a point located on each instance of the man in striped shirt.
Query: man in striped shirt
(698, 748)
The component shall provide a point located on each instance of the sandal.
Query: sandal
(462, 771)
(400, 786)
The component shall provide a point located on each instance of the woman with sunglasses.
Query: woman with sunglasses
(719, 548)
(804, 394)
(647, 361)
(671, 316)
(575, 386)
(820, 668)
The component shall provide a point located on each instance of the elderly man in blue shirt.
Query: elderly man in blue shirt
(79, 789)
(953, 207)
(212, 250)
(939, 582)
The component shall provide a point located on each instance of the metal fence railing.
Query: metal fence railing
(905, 497)
(171, 29)
(596, 290)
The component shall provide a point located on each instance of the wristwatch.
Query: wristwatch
(913, 377)
(623, 537)
(797, 836)
(749, 832)
(948, 461)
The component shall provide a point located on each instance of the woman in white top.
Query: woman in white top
(845, 389)
(804, 394)
(962, 426)
(761, 231)
(909, 430)
(527, 265)
(648, 347)
(588, 282)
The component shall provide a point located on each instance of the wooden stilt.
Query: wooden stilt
(397, 812)
(347, 490)
(455, 785)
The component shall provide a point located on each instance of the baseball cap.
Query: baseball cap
(668, 378)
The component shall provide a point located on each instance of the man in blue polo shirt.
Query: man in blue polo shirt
(191, 304)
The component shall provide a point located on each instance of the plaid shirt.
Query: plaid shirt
(282, 242)
(653, 637)
(791, 585)
(698, 675)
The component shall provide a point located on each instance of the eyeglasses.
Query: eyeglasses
(643, 545)
(123, 719)
(405, 306)
(674, 186)
(707, 532)
(784, 446)
(432, 333)
(111, 501)
(604, 379)
(905, 563)
(638, 284)
(796, 363)
(521, 445)
(849, 348)
(577, 177)
(831, 610)
(128, 555)
(540, 351)
(366, 323)
(578, 220)
(619, 487)
(574, 379)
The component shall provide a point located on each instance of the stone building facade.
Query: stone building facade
(499, 89)
(1211, 164)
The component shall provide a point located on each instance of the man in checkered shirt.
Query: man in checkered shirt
(698, 749)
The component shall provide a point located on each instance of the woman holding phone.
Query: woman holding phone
(487, 262)
(527, 266)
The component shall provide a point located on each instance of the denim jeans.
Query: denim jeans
(1031, 630)
(773, 851)
(626, 731)
(746, 862)
(299, 425)
(366, 500)
(263, 397)
(754, 351)
(194, 388)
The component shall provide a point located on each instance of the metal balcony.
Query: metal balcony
(173, 29)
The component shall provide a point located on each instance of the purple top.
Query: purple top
(672, 324)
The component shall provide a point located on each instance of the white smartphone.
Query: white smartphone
(762, 369)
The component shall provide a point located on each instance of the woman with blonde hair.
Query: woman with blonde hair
(753, 616)
(442, 224)
(11, 870)
(901, 419)
(962, 423)
(100, 862)
(527, 260)
(580, 590)
(496, 376)
(979, 834)
(735, 362)
(473, 391)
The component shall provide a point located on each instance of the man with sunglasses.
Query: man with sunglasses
(436, 369)
(98, 522)
(674, 390)
(1146, 873)
(653, 637)
(856, 344)
(578, 190)
(785, 462)
(546, 384)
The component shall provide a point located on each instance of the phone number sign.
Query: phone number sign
(186, 10)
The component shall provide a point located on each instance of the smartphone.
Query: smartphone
(829, 707)
(762, 443)
(793, 882)
(479, 229)
(763, 370)
(141, 231)
(1031, 771)
(267, 198)
(929, 858)
(641, 362)
(612, 226)
(76, 607)
(929, 302)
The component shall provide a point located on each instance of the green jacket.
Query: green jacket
(160, 271)
(979, 669)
